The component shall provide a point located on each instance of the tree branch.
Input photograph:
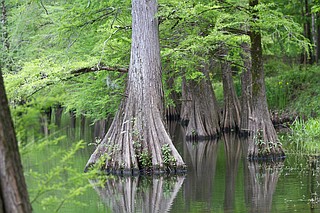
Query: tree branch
(97, 68)
(75, 73)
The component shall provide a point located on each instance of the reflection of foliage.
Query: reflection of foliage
(63, 182)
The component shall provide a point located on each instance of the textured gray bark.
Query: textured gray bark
(13, 189)
(246, 90)
(137, 134)
(200, 108)
(231, 112)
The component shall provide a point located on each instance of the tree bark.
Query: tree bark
(231, 111)
(200, 108)
(58, 114)
(246, 90)
(265, 143)
(13, 190)
(4, 31)
(137, 136)
(314, 37)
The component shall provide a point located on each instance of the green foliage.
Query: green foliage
(305, 136)
(53, 186)
(167, 156)
(293, 88)
(264, 146)
(49, 40)
(145, 159)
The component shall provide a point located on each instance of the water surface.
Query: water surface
(219, 179)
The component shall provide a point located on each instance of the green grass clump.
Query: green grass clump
(305, 136)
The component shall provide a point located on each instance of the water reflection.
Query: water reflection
(219, 178)
(140, 193)
(232, 146)
(201, 172)
(260, 184)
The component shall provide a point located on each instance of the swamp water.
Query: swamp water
(219, 179)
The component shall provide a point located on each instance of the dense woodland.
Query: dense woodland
(220, 66)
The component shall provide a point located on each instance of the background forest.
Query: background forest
(62, 57)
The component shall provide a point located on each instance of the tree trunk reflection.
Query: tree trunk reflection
(260, 179)
(232, 146)
(140, 193)
(201, 171)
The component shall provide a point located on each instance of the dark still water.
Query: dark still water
(219, 179)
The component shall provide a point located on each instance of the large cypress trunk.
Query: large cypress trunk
(137, 139)
(265, 143)
(13, 189)
(200, 108)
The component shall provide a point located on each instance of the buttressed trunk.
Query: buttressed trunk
(137, 139)
(200, 108)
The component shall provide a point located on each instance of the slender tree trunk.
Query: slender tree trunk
(314, 37)
(231, 111)
(186, 103)
(45, 121)
(58, 114)
(318, 37)
(246, 90)
(4, 30)
(100, 128)
(137, 136)
(13, 189)
(306, 14)
(266, 142)
(73, 119)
